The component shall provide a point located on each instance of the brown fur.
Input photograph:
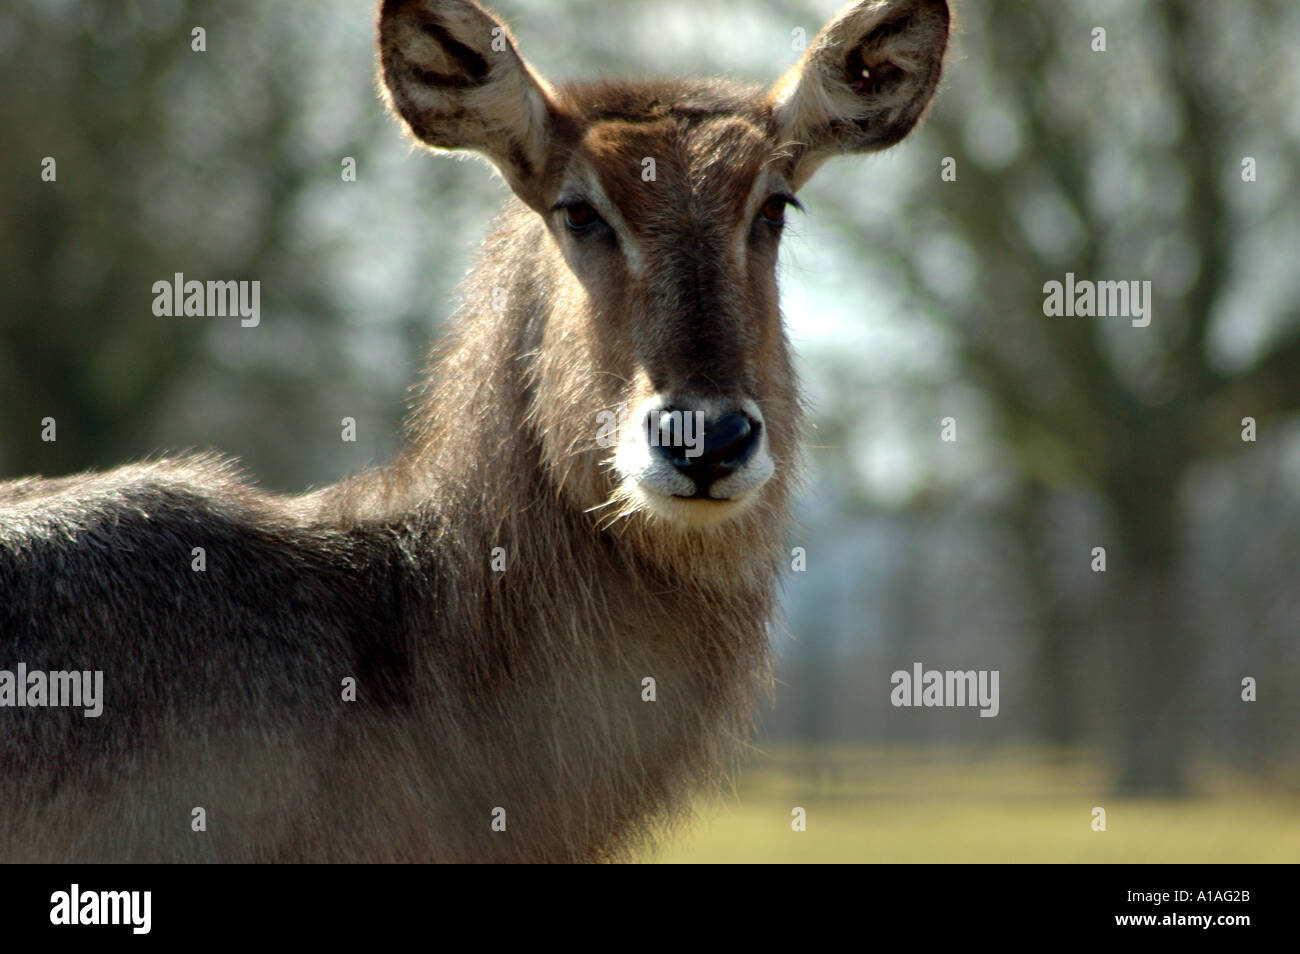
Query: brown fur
(478, 689)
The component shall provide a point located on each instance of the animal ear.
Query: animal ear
(452, 73)
(863, 82)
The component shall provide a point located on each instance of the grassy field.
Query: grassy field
(1015, 805)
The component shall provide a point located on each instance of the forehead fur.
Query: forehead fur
(652, 100)
(709, 141)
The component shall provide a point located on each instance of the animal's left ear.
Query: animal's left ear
(863, 82)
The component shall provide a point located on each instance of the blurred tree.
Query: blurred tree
(1121, 164)
(223, 163)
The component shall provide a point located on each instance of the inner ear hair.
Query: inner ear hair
(452, 73)
(864, 81)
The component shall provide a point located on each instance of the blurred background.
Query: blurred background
(910, 298)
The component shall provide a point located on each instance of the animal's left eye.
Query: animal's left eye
(579, 216)
(773, 210)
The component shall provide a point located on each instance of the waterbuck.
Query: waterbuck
(533, 635)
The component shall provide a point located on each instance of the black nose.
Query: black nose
(704, 450)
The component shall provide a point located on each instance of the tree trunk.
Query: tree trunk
(1155, 649)
(1056, 693)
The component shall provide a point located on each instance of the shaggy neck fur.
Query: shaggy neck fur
(538, 669)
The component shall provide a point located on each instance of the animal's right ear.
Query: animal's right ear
(451, 71)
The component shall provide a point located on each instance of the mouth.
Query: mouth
(689, 511)
(700, 495)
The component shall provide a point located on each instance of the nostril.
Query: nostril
(678, 434)
(751, 441)
(729, 441)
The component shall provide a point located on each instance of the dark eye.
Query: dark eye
(773, 210)
(580, 216)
